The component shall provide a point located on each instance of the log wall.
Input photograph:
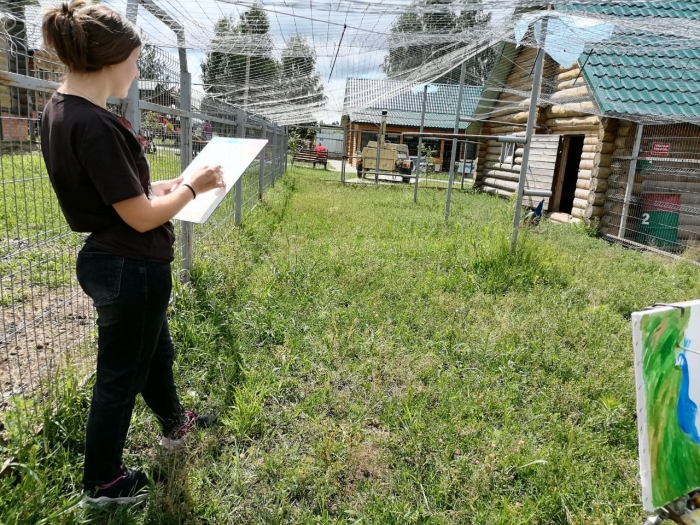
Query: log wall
(571, 112)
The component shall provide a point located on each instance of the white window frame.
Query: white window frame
(508, 153)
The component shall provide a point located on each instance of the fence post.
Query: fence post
(240, 133)
(186, 231)
(131, 108)
(285, 149)
(453, 154)
(279, 155)
(420, 145)
(532, 115)
(261, 178)
(274, 154)
(631, 174)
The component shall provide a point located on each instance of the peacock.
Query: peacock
(687, 409)
(533, 216)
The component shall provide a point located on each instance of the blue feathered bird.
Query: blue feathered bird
(686, 410)
(533, 216)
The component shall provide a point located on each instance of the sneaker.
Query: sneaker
(130, 487)
(176, 438)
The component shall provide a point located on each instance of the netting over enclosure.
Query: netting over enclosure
(288, 60)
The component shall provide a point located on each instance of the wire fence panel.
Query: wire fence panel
(45, 316)
(654, 188)
(47, 329)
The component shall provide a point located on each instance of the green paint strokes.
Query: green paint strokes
(675, 459)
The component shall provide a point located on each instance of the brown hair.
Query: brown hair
(88, 37)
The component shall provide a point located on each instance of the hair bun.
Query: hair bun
(86, 36)
(69, 9)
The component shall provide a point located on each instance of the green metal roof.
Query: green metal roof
(642, 74)
(396, 117)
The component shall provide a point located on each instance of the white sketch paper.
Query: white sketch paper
(234, 156)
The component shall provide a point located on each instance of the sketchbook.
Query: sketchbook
(234, 156)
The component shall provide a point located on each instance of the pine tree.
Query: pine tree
(240, 68)
(300, 82)
(405, 58)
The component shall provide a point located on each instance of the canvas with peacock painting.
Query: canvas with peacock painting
(667, 369)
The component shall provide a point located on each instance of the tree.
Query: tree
(240, 68)
(300, 82)
(152, 65)
(433, 24)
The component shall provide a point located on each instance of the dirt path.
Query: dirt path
(39, 335)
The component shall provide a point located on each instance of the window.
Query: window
(508, 153)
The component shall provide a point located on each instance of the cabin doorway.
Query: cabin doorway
(564, 185)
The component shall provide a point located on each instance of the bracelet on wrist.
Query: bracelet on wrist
(194, 194)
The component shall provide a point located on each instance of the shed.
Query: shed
(365, 99)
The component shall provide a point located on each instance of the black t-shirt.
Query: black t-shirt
(93, 162)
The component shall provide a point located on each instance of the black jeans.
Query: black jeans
(134, 354)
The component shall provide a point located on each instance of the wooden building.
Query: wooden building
(365, 99)
(14, 58)
(19, 108)
(572, 147)
(611, 130)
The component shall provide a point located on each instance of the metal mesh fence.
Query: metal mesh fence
(47, 323)
(654, 188)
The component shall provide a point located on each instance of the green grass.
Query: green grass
(28, 206)
(374, 364)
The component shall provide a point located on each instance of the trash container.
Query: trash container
(659, 219)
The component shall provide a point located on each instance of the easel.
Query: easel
(689, 516)
(686, 509)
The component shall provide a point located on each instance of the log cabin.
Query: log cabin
(617, 134)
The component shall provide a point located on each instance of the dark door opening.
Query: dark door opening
(564, 187)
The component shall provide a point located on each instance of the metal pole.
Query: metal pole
(247, 79)
(343, 156)
(261, 178)
(131, 108)
(279, 152)
(453, 154)
(464, 164)
(420, 144)
(274, 154)
(240, 133)
(186, 230)
(285, 149)
(273, 160)
(380, 143)
(532, 114)
(630, 181)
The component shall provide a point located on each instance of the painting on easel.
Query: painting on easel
(667, 370)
